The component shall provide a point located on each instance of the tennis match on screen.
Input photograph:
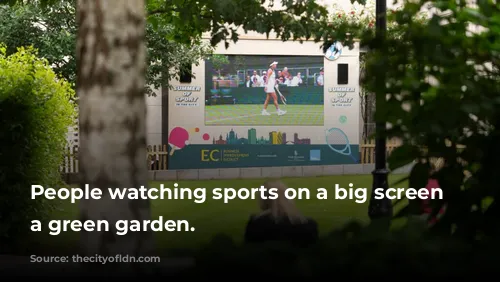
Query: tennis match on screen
(264, 90)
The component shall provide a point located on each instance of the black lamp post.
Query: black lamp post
(381, 208)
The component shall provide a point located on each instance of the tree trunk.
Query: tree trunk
(111, 76)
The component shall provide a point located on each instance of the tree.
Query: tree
(240, 63)
(166, 59)
(53, 32)
(447, 76)
(442, 100)
(36, 109)
(112, 109)
(359, 20)
(110, 81)
(226, 19)
(112, 106)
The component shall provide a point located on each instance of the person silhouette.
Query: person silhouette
(280, 220)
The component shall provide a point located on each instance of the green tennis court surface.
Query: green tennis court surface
(251, 115)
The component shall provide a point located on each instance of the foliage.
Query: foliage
(219, 62)
(36, 111)
(441, 82)
(240, 62)
(355, 252)
(53, 32)
(359, 20)
(439, 73)
(173, 32)
(226, 19)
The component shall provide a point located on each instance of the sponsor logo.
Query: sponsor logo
(225, 155)
(267, 156)
(296, 157)
(315, 155)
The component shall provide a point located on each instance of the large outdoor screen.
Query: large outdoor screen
(246, 90)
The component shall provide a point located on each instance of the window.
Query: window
(342, 74)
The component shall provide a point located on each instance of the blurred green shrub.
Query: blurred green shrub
(35, 113)
(437, 85)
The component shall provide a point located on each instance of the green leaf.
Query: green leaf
(154, 21)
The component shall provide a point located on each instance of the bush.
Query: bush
(35, 113)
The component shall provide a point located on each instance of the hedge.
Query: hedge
(36, 110)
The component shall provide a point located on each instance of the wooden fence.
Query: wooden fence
(367, 150)
(157, 156)
(70, 162)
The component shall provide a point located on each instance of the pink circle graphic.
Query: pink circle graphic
(206, 136)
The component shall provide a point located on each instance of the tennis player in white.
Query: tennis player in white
(270, 91)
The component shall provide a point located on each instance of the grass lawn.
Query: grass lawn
(214, 217)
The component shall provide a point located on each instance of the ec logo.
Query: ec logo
(210, 155)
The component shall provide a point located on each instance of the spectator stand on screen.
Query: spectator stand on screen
(296, 80)
(255, 77)
(255, 82)
(262, 78)
(288, 80)
(280, 220)
(248, 82)
(320, 80)
(281, 81)
(285, 74)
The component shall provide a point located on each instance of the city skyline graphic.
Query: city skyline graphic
(273, 138)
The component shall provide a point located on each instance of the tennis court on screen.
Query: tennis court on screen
(250, 114)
